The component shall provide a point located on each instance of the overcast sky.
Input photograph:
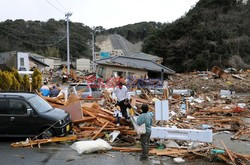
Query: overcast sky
(106, 13)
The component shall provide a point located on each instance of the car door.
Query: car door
(21, 122)
(4, 116)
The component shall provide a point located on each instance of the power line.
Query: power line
(34, 44)
(55, 7)
(61, 5)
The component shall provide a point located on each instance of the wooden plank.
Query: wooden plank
(109, 118)
(53, 100)
(95, 111)
(93, 138)
(86, 112)
(167, 152)
(128, 132)
(122, 128)
(85, 119)
(91, 99)
(37, 142)
(107, 111)
(228, 152)
(223, 157)
(103, 121)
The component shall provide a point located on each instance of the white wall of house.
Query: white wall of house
(23, 61)
(83, 64)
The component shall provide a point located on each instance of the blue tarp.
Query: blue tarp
(104, 55)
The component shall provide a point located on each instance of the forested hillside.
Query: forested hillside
(45, 38)
(49, 38)
(214, 32)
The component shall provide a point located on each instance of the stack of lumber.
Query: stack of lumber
(97, 121)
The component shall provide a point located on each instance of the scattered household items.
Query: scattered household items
(191, 108)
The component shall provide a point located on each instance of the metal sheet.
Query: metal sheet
(182, 134)
(158, 111)
(161, 110)
(165, 110)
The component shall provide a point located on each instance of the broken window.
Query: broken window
(119, 73)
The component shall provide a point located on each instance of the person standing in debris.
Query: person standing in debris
(121, 93)
(145, 118)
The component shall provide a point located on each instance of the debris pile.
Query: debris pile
(206, 100)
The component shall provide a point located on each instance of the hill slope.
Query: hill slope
(45, 38)
(214, 32)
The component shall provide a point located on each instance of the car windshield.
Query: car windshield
(39, 104)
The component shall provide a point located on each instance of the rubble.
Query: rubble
(206, 108)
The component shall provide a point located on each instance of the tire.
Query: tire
(47, 134)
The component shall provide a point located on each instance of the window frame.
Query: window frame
(22, 62)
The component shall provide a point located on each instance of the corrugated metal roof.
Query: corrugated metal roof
(135, 63)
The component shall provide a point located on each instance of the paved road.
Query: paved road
(62, 154)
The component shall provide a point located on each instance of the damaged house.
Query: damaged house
(125, 59)
(22, 61)
(129, 65)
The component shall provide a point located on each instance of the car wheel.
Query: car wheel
(47, 134)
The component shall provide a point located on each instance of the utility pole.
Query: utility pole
(93, 49)
(67, 15)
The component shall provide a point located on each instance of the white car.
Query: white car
(87, 90)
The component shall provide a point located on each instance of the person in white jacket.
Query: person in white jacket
(121, 93)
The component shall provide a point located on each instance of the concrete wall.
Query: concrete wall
(25, 57)
(109, 70)
(83, 64)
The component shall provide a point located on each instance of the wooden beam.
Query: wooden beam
(93, 138)
(228, 152)
(37, 142)
(85, 119)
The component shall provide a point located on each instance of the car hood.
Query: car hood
(55, 114)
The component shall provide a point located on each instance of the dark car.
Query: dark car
(28, 115)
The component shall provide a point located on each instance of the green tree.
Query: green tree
(15, 84)
(26, 83)
(17, 76)
(7, 81)
(211, 33)
(36, 79)
(1, 79)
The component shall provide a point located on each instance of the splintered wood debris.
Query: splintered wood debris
(206, 108)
